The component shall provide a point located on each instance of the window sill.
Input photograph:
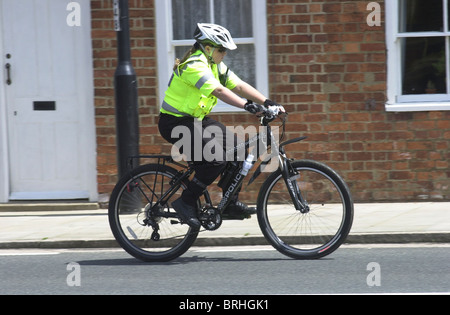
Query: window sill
(417, 107)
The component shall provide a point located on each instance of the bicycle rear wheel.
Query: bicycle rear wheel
(319, 231)
(145, 231)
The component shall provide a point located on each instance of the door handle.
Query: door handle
(8, 74)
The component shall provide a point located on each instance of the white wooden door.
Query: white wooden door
(49, 101)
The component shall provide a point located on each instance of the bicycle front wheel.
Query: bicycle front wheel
(148, 232)
(318, 231)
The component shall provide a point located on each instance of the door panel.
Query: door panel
(48, 100)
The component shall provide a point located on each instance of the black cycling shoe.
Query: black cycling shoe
(187, 213)
(238, 211)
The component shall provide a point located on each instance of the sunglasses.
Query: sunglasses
(222, 50)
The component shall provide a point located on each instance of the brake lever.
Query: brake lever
(283, 117)
(267, 118)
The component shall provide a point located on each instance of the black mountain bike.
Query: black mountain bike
(304, 207)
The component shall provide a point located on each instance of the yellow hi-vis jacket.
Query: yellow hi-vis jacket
(191, 85)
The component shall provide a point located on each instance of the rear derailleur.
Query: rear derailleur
(146, 218)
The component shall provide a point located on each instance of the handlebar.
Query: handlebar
(267, 117)
(267, 114)
(270, 111)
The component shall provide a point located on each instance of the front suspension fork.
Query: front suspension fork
(290, 177)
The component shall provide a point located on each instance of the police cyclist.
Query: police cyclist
(198, 81)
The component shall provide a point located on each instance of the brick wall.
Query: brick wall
(142, 35)
(328, 67)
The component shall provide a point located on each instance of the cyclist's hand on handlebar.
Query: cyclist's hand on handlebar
(254, 108)
(274, 108)
(270, 108)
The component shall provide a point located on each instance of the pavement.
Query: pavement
(85, 225)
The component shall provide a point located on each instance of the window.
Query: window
(245, 19)
(418, 42)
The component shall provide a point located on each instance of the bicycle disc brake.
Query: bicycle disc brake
(210, 218)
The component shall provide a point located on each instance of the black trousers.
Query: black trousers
(192, 137)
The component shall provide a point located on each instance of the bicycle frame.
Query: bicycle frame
(266, 138)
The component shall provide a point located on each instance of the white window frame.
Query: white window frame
(396, 102)
(166, 48)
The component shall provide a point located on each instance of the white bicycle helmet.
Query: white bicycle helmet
(215, 35)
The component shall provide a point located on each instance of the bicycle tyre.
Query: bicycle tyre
(131, 199)
(317, 233)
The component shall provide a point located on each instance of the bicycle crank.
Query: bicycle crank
(210, 218)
